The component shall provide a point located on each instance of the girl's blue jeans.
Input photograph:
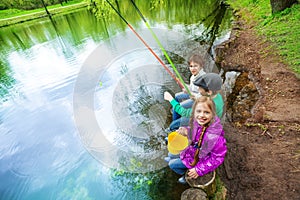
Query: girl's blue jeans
(177, 166)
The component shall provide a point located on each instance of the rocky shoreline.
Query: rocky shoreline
(262, 119)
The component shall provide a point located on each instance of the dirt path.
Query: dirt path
(263, 156)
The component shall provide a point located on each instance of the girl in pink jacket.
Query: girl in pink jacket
(207, 145)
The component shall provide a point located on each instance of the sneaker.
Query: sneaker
(182, 180)
(167, 159)
(166, 139)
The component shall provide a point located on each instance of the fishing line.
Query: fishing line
(161, 46)
(149, 48)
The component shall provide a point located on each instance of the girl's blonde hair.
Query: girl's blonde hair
(211, 105)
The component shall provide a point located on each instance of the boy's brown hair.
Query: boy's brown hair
(197, 59)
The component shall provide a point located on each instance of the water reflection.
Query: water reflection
(123, 132)
(52, 75)
(6, 80)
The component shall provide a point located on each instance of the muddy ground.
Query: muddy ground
(263, 140)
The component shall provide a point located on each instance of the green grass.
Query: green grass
(16, 12)
(282, 29)
(22, 16)
(220, 193)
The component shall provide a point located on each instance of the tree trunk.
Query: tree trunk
(45, 7)
(279, 5)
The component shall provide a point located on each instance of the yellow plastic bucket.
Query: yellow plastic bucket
(176, 143)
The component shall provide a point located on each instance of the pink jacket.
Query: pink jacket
(213, 149)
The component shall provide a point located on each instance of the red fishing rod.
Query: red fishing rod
(149, 48)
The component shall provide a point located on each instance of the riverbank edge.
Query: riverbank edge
(41, 14)
(232, 47)
(261, 22)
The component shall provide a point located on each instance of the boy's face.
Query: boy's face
(194, 68)
(203, 92)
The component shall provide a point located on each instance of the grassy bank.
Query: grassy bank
(282, 30)
(13, 16)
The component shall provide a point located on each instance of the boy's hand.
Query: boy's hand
(168, 96)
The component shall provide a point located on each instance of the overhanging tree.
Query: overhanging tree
(280, 5)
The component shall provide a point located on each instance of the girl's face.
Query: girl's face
(203, 114)
(194, 68)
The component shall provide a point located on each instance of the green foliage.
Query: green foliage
(261, 126)
(220, 193)
(155, 4)
(6, 80)
(13, 12)
(32, 4)
(9, 13)
(101, 9)
(136, 181)
(281, 29)
(156, 10)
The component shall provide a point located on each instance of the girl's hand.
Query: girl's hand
(168, 96)
(193, 174)
(182, 131)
